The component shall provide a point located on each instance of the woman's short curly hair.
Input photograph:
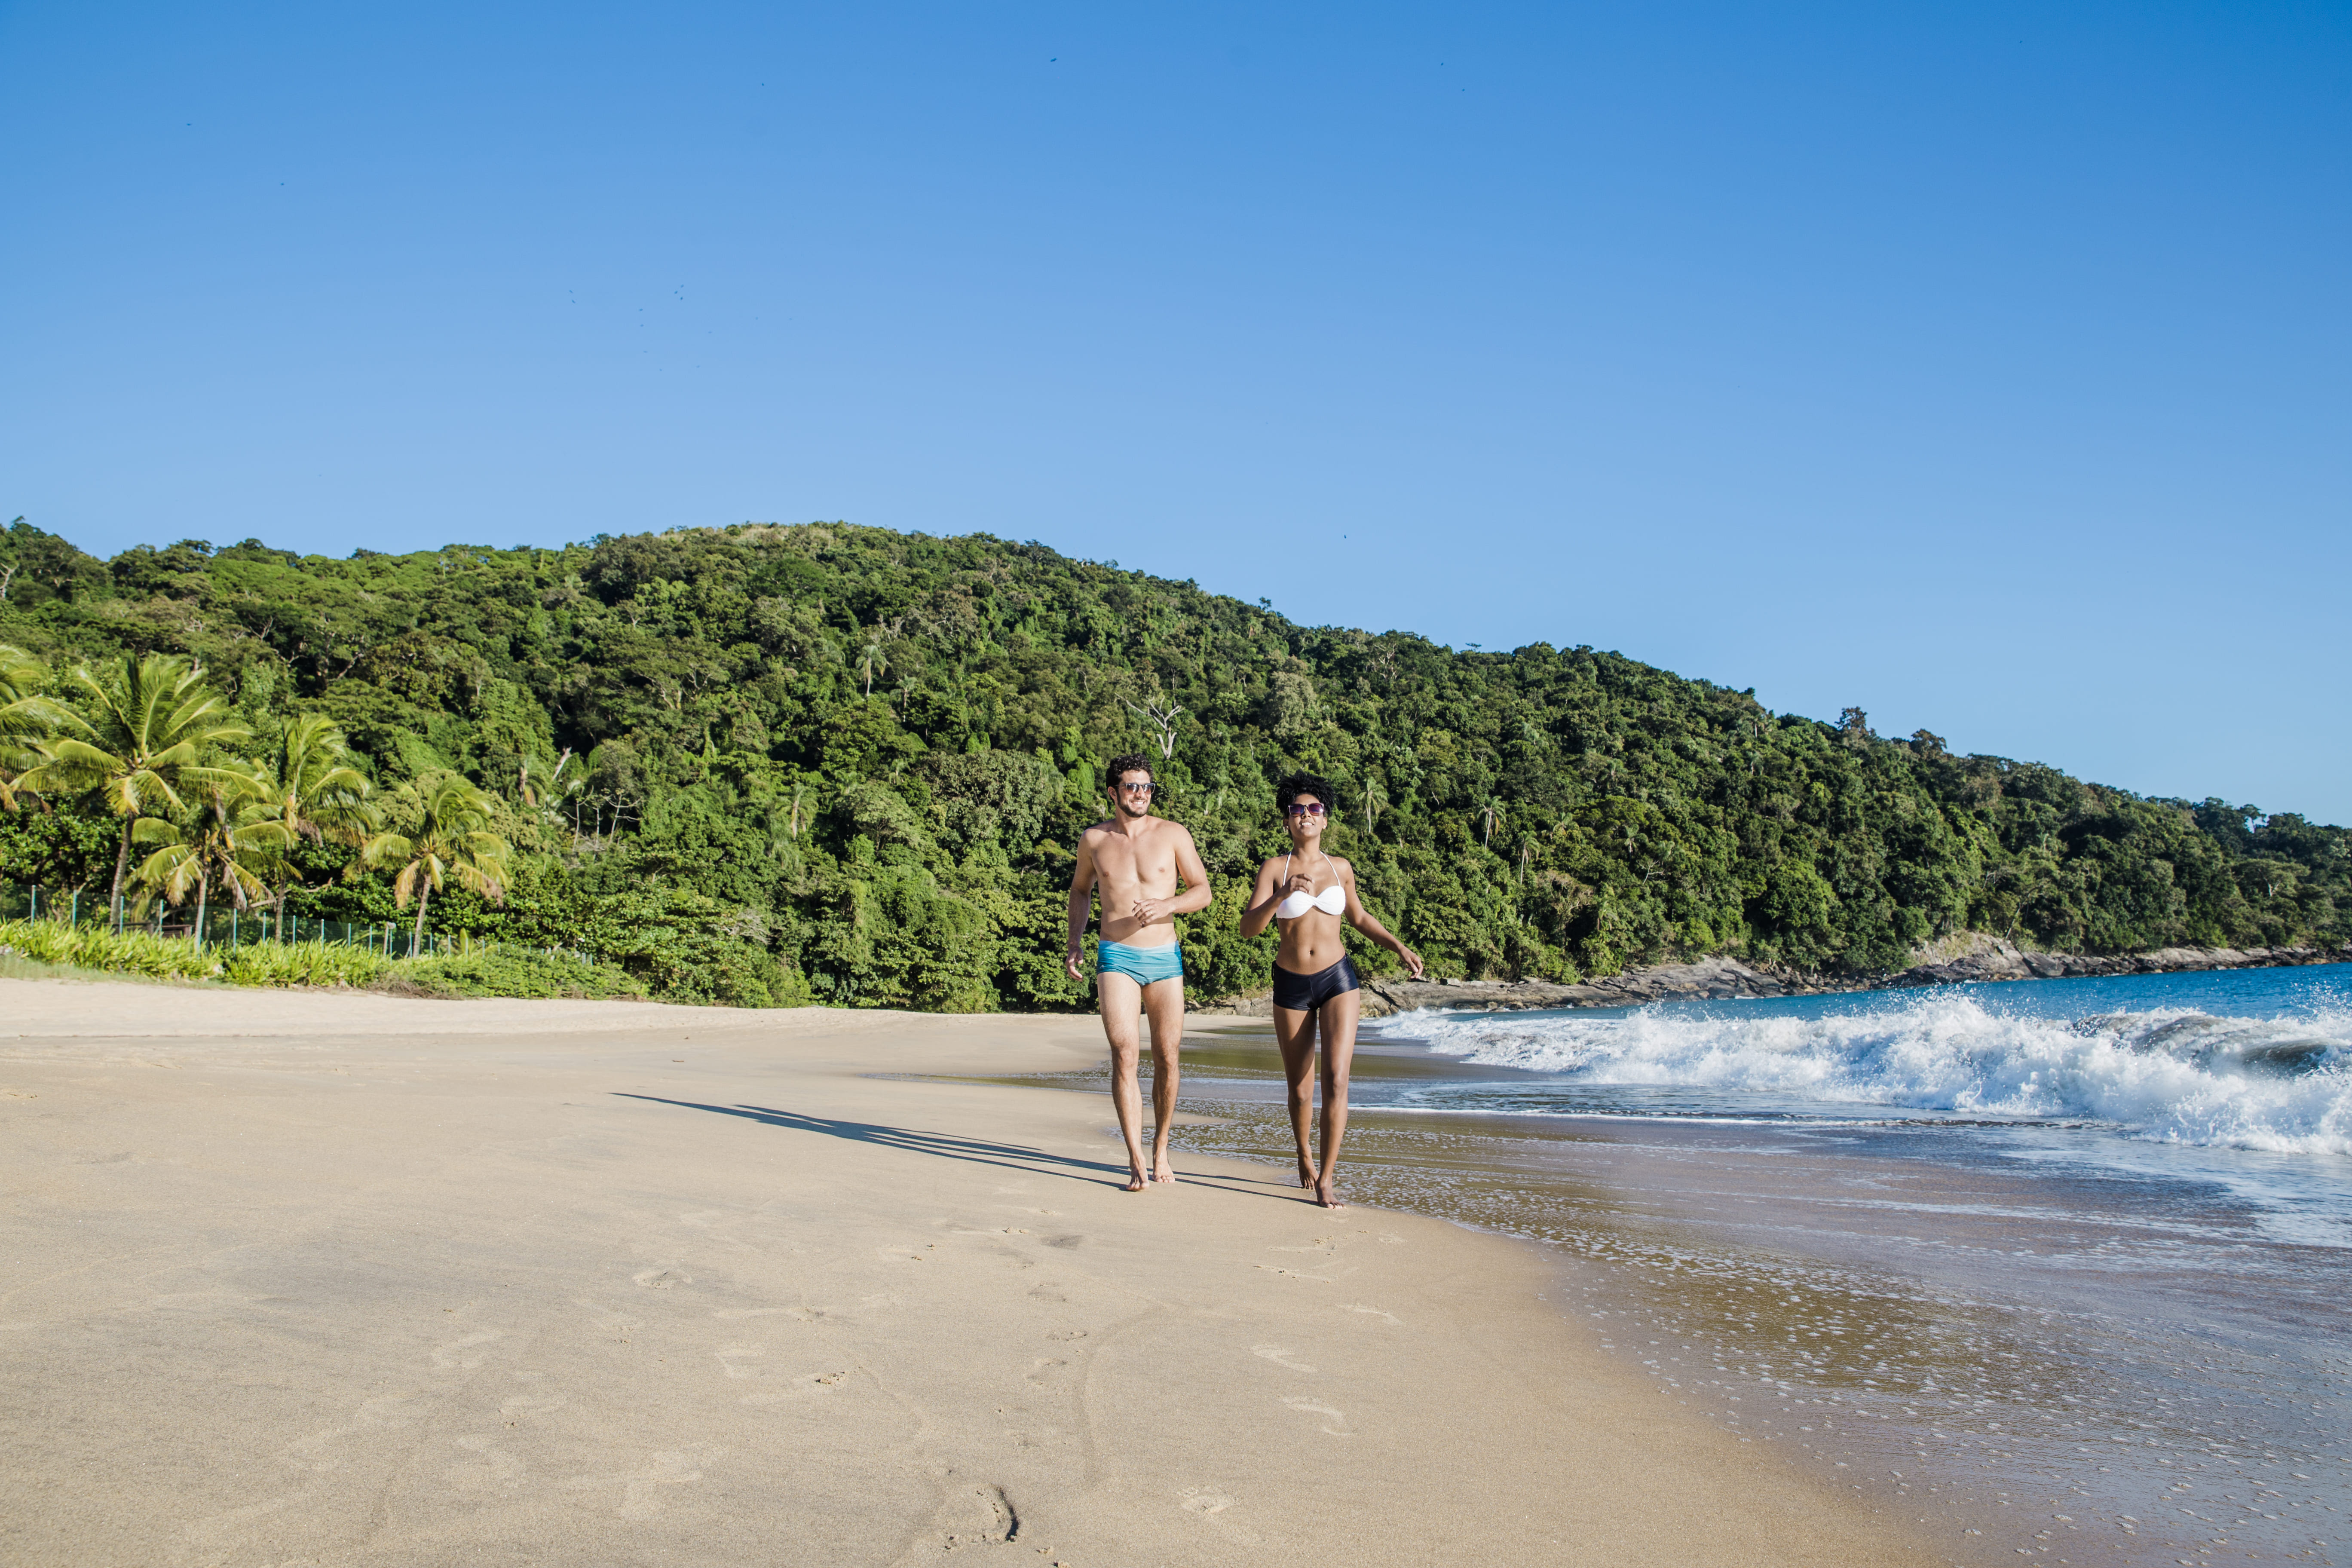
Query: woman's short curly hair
(1297, 784)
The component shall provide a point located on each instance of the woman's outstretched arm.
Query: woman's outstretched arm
(1364, 920)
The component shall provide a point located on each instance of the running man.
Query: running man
(1136, 858)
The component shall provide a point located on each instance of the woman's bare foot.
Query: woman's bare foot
(1162, 1170)
(1136, 1180)
(1306, 1171)
(1327, 1192)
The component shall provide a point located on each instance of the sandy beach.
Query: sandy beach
(307, 1278)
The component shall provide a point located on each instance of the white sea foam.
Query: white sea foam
(2282, 1084)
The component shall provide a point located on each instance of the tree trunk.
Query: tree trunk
(417, 940)
(204, 892)
(122, 869)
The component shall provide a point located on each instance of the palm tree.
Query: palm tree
(446, 833)
(1493, 812)
(872, 659)
(232, 836)
(25, 716)
(316, 793)
(1376, 801)
(135, 736)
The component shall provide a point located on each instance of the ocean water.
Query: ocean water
(2240, 1079)
(2059, 1269)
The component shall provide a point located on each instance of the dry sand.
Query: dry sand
(322, 1280)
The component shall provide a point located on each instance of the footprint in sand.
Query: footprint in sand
(800, 1387)
(1280, 1356)
(495, 1468)
(453, 1357)
(1339, 1422)
(1376, 1312)
(609, 1321)
(735, 1314)
(1210, 1504)
(976, 1515)
(733, 1354)
(639, 1498)
(233, 1522)
(311, 1453)
(660, 1278)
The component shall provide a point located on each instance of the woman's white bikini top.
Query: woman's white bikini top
(1331, 901)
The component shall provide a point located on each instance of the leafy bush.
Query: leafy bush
(95, 947)
(304, 963)
(510, 971)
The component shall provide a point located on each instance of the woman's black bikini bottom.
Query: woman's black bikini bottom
(1306, 993)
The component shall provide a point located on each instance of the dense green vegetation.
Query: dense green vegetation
(95, 948)
(770, 764)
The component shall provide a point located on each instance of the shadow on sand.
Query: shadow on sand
(948, 1146)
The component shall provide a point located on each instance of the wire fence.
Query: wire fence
(232, 928)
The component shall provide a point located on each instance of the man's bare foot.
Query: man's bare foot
(1327, 1192)
(1163, 1171)
(1135, 1181)
(1306, 1173)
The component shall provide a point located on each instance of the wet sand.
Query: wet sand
(2018, 1358)
(314, 1279)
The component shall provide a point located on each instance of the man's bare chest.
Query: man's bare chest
(1122, 861)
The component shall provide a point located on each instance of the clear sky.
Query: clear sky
(1986, 366)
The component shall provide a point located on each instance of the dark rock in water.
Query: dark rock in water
(2289, 1057)
(2190, 1028)
(2206, 1041)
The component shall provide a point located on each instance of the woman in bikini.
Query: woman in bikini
(1310, 893)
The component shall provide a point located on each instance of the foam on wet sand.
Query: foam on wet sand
(315, 1278)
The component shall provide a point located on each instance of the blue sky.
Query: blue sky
(1987, 367)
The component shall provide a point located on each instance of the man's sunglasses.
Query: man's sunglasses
(1135, 788)
(1306, 808)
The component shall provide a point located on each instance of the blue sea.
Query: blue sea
(2054, 1269)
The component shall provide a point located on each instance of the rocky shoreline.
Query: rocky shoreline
(1979, 960)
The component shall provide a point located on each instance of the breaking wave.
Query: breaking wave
(2282, 1084)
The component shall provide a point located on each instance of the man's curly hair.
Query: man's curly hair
(1297, 784)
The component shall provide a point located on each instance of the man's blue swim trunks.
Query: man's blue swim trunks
(1141, 964)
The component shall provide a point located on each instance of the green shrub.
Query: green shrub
(304, 963)
(95, 947)
(511, 972)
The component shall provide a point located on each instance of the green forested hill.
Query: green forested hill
(773, 764)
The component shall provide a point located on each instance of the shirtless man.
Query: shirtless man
(1136, 858)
